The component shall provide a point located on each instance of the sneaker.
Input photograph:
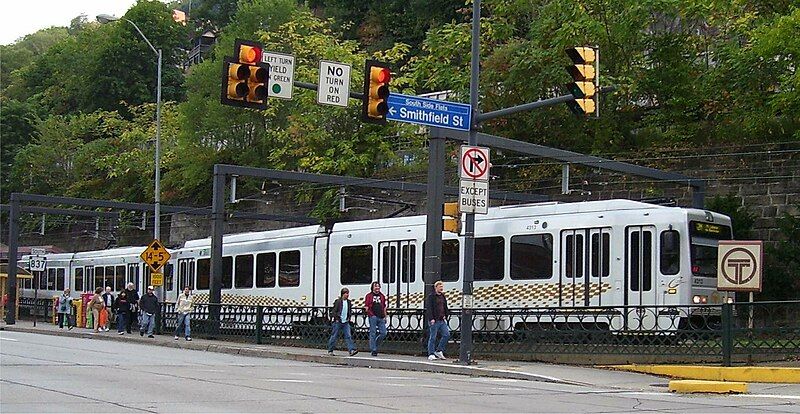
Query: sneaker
(439, 354)
(70, 328)
(150, 336)
(432, 358)
(330, 353)
(176, 338)
(189, 338)
(374, 353)
(120, 333)
(353, 352)
(141, 333)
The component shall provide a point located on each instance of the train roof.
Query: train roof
(517, 210)
(258, 235)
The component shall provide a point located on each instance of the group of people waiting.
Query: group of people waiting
(127, 304)
(376, 306)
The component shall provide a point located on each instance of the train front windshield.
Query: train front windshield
(705, 239)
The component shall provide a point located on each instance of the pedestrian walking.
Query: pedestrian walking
(122, 306)
(96, 305)
(133, 298)
(108, 301)
(436, 313)
(376, 304)
(342, 311)
(183, 307)
(64, 309)
(149, 306)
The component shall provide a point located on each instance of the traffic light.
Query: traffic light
(245, 77)
(584, 85)
(374, 106)
(452, 218)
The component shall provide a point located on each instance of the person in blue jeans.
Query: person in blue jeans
(436, 313)
(150, 307)
(376, 303)
(340, 315)
(123, 308)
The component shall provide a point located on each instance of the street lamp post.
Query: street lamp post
(106, 18)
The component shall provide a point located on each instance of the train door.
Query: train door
(133, 274)
(185, 274)
(397, 266)
(599, 246)
(640, 287)
(573, 277)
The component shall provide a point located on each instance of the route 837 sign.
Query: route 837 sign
(740, 265)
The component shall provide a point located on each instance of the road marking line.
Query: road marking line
(288, 380)
(9, 339)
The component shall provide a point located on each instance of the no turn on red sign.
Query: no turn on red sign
(474, 163)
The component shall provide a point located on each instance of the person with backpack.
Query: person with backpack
(96, 305)
(376, 305)
(340, 321)
(64, 309)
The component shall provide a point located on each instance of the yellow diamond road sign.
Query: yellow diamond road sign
(155, 255)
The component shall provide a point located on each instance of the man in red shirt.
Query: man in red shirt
(376, 304)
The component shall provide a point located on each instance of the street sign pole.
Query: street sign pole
(465, 350)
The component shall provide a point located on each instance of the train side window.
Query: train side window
(489, 258)
(266, 270)
(244, 271)
(601, 254)
(89, 284)
(289, 268)
(532, 256)
(99, 277)
(227, 272)
(575, 256)
(203, 273)
(645, 258)
(78, 280)
(388, 270)
(407, 269)
(60, 278)
(450, 260)
(182, 276)
(356, 265)
(168, 275)
(120, 277)
(109, 280)
(670, 255)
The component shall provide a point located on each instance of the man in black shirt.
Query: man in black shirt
(149, 305)
(436, 313)
(133, 298)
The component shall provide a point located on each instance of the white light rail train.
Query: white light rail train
(543, 255)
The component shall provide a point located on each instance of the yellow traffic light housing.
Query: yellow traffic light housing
(245, 77)
(374, 106)
(452, 218)
(585, 74)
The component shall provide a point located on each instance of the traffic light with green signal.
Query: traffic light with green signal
(374, 105)
(245, 76)
(584, 87)
(452, 218)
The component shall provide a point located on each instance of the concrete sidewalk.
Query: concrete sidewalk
(564, 374)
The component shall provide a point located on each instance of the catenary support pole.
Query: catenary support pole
(465, 350)
(13, 236)
(217, 230)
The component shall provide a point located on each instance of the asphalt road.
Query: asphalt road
(41, 373)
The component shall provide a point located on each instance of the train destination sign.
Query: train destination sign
(430, 112)
(740, 265)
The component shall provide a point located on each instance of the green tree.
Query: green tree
(742, 219)
(294, 135)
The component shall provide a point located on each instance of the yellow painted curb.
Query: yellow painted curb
(716, 387)
(698, 372)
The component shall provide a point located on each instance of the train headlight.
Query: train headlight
(703, 299)
(696, 299)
